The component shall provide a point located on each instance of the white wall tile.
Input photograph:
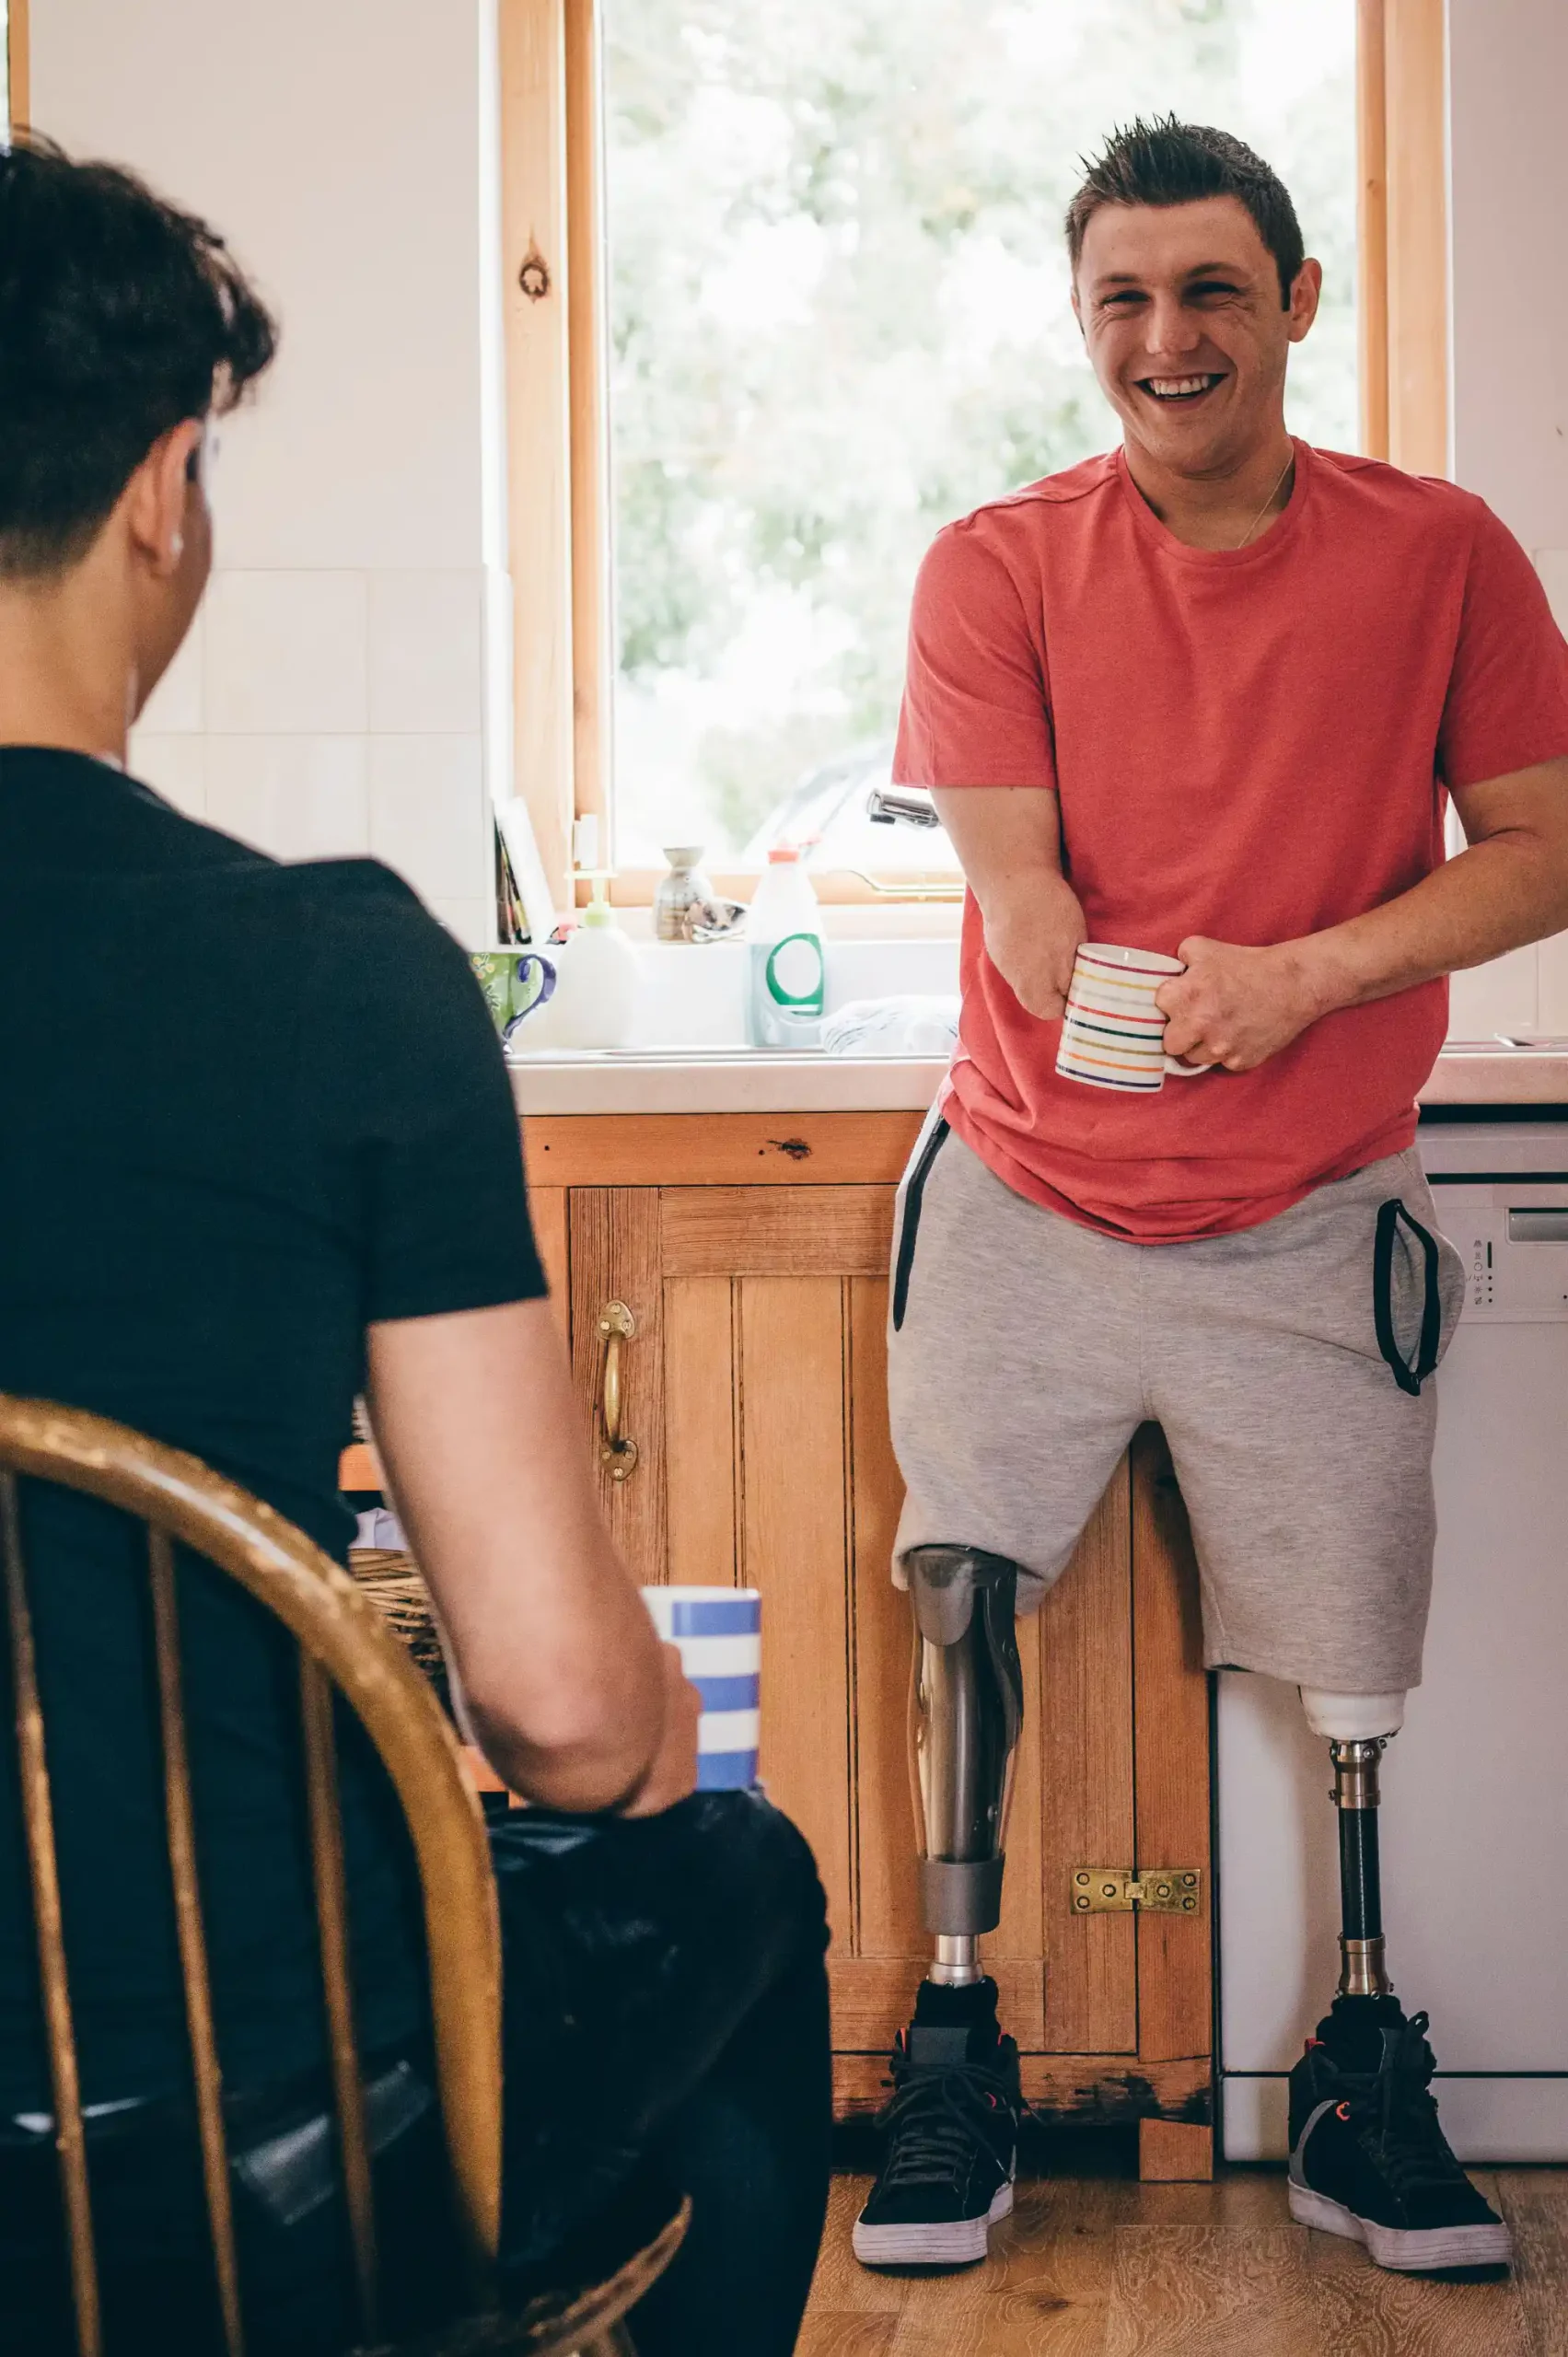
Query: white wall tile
(1497, 997)
(286, 653)
(352, 187)
(174, 708)
(364, 449)
(426, 654)
(175, 767)
(299, 797)
(429, 818)
(470, 921)
(1551, 1011)
(1509, 193)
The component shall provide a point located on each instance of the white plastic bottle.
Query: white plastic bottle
(783, 1004)
(595, 1001)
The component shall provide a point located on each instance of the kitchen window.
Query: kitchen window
(786, 291)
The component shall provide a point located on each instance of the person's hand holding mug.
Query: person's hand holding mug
(1236, 1007)
(713, 1648)
(1033, 934)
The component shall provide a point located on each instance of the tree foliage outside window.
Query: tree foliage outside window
(838, 317)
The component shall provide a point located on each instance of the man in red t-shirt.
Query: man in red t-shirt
(1204, 697)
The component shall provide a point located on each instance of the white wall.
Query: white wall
(332, 697)
(1508, 73)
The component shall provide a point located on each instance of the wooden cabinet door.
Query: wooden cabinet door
(756, 1389)
(739, 1394)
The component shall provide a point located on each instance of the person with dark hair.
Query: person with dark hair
(1200, 702)
(271, 1164)
(125, 321)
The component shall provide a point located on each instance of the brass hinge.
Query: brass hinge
(1118, 1890)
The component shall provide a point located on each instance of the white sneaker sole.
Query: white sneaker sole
(1408, 2250)
(946, 2242)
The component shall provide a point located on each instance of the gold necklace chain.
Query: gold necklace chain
(1268, 502)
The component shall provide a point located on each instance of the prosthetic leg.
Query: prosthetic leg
(952, 2122)
(1368, 2159)
(966, 1713)
(1357, 1727)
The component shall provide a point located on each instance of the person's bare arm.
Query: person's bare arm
(1238, 1007)
(572, 1698)
(1008, 839)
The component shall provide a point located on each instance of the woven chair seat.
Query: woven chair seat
(392, 1581)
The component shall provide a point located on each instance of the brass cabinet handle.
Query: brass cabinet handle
(617, 1453)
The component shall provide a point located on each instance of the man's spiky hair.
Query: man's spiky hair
(1166, 162)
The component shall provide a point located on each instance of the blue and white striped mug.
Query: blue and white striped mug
(718, 1633)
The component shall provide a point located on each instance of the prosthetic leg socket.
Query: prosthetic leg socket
(965, 1713)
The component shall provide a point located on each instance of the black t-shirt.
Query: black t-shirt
(246, 1110)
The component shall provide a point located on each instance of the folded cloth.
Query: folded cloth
(908, 1026)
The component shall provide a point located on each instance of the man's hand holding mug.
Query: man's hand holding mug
(1231, 1007)
(1236, 1007)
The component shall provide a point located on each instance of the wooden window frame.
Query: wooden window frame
(17, 64)
(1402, 231)
(555, 296)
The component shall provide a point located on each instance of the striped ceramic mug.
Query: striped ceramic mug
(718, 1632)
(1113, 1034)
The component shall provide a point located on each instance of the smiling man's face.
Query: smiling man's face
(1180, 309)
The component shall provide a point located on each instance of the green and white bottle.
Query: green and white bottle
(785, 986)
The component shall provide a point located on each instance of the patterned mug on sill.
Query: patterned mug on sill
(513, 985)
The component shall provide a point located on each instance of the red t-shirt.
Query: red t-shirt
(1249, 743)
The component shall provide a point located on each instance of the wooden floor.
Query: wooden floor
(1095, 2265)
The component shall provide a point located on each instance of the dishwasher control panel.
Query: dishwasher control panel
(1513, 1238)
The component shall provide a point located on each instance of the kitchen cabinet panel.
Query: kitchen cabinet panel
(1175, 2004)
(700, 1438)
(720, 1149)
(888, 1912)
(768, 1231)
(614, 1245)
(794, 1548)
(1086, 1716)
(547, 1207)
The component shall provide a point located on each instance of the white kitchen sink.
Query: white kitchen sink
(692, 998)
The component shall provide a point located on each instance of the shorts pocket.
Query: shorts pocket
(1417, 1289)
(909, 1226)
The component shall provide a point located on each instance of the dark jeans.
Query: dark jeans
(666, 2031)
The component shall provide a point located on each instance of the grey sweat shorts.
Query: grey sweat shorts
(1025, 1351)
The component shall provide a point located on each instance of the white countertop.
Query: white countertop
(683, 1080)
(1488, 1073)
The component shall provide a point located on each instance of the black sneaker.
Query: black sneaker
(1367, 2157)
(952, 2124)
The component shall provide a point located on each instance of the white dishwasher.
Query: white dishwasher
(1475, 1788)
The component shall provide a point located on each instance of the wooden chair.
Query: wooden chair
(342, 1642)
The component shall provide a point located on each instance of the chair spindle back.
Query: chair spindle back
(344, 1644)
